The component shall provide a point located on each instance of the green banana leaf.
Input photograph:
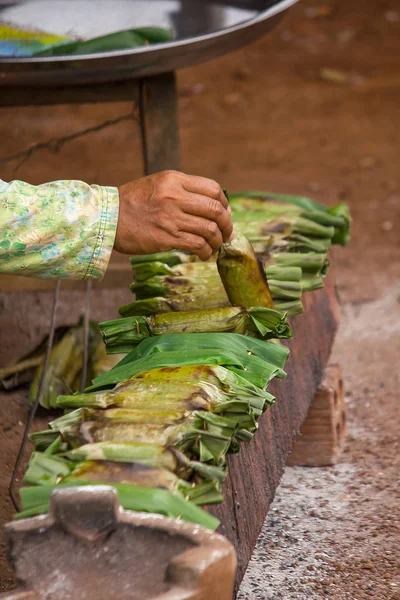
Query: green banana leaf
(120, 40)
(248, 366)
(122, 335)
(44, 470)
(35, 500)
(270, 351)
(337, 216)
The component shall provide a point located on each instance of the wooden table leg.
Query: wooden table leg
(159, 122)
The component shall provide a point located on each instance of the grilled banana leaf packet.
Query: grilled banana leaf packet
(242, 274)
(121, 335)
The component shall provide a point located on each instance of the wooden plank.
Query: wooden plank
(118, 275)
(255, 473)
(121, 91)
(159, 123)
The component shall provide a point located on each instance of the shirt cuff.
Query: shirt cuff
(105, 235)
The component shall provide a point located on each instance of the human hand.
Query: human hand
(172, 211)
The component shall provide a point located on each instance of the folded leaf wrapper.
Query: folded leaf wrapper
(242, 274)
(121, 335)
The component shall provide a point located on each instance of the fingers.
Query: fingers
(205, 187)
(210, 209)
(172, 210)
(208, 230)
(188, 242)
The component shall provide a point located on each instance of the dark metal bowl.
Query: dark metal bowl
(203, 29)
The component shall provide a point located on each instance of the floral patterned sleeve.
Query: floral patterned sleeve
(63, 229)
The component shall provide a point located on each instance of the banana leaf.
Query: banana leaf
(297, 212)
(36, 499)
(121, 335)
(148, 307)
(140, 413)
(197, 286)
(63, 374)
(198, 431)
(242, 274)
(57, 445)
(207, 378)
(230, 383)
(313, 267)
(159, 399)
(282, 274)
(43, 440)
(292, 307)
(234, 387)
(152, 306)
(143, 453)
(271, 351)
(308, 262)
(182, 290)
(170, 258)
(206, 492)
(152, 409)
(206, 436)
(65, 363)
(154, 455)
(338, 216)
(44, 470)
(312, 283)
(150, 454)
(254, 360)
(120, 40)
(249, 367)
(132, 394)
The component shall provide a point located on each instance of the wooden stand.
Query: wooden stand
(321, 438)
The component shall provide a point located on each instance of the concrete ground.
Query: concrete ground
(312, 109)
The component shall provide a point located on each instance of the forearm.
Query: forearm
(63, 229)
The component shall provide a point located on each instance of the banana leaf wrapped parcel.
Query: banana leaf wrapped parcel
(242, 274)
(52, 470)
(259, 213)
(36, 500)
(176, 389)
(121, 335)
(252, 359)
(197, 286)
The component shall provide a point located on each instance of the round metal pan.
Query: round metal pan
(200, 32)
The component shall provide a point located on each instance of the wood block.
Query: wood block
(321, 438)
